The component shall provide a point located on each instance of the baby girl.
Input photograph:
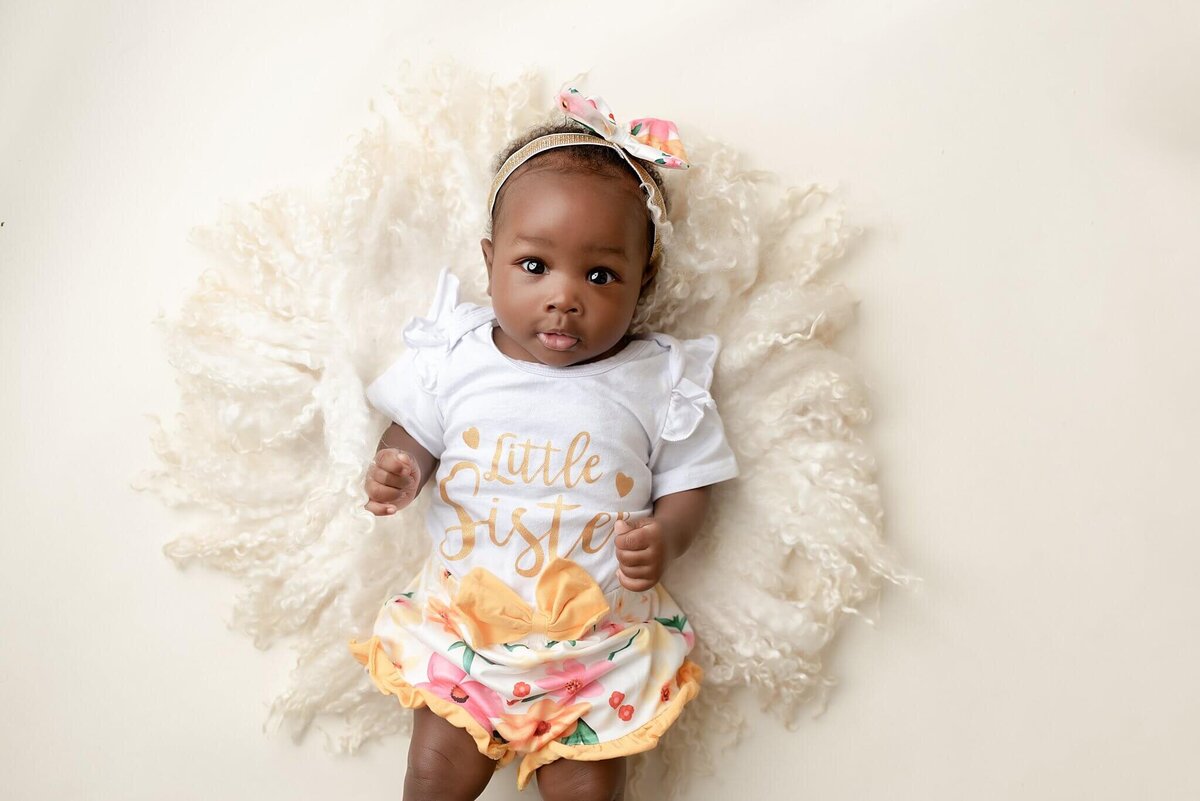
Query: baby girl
(572, 463)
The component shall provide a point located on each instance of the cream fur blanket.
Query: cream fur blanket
(303, 305)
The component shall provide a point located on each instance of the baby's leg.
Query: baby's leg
(443, 762)
(568, 780)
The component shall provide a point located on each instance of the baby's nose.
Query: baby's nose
(566, 307)
(563, 298)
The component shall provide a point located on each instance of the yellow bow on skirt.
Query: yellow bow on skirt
(569, 602)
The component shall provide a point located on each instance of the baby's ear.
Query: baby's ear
(486, 245)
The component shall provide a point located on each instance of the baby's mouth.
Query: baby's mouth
(557, 341)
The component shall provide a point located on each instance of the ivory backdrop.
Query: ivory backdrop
(1026, 177)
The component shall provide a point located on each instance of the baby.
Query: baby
(572, 463)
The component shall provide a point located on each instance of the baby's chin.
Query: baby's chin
(560, 356)
(588, 358)
(531, 349)
(550, 351)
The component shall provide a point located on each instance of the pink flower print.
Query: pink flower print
(574, 680)
(612, 629)
(543, 722)
(446, 680)
(625, 713)
(615, 699)
(573, 102)
(661, 135)
(520, 689)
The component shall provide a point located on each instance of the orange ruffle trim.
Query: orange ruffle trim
(635, 742)
(390, 681)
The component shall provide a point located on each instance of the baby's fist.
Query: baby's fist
(641, 553)
(392, 481)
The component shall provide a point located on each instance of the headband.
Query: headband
(648, 138)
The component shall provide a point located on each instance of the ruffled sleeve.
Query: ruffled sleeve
(692, 450)
(407, 392)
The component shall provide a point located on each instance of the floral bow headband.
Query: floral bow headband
(653, 140)
(647, 138)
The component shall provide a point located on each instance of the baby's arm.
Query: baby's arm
(648, 545)
(401, 468)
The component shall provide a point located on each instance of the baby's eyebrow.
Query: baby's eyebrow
(537, 240)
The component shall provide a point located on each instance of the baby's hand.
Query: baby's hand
(392, 481)
(642, 553)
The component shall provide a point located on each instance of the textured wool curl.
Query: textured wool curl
(303, 305)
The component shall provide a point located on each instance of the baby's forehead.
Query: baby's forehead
(557, 164)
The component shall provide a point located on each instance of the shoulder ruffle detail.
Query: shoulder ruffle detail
(691, 367)
(431, 337)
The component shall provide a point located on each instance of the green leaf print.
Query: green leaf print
(626, 645)
(676, 622)
(408, 594)
(515, 646)
(468, 657)
(583, 735)
(635, 129)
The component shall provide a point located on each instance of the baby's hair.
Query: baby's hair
(601, 160)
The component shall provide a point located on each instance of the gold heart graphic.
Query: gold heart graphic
(471, 437)
(624, 484)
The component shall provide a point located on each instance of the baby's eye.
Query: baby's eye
(602, 275)
(538, 262)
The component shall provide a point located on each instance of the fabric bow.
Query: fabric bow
(569, 602)
(648, 138)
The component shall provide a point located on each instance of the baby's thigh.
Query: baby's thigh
(569, 780)
(444, 763)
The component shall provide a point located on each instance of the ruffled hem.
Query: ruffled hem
(644, 738)
(389, 679)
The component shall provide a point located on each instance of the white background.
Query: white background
(1028, 175)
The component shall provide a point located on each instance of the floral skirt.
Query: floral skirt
(579, 675)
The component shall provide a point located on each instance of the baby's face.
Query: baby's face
(568, 254)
